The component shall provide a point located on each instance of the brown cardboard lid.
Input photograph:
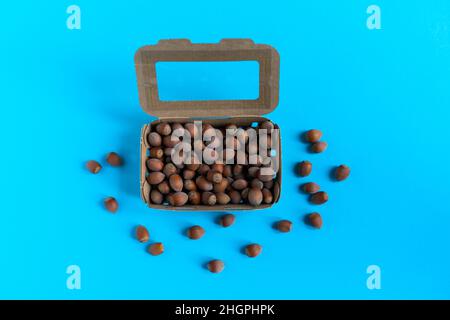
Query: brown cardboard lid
(226, 50)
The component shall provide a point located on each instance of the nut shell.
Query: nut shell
(155, 249)
(318, 147)
(114, 159)
(312, 135)
(142, 234)
(164, 129)
(255, 196)
(310, 187)
(155, 177)
(319, 197)
(93, 166)
(304, 168)
(175, 182)
(154, 139)
(111, 204)
(315, 220)
(195, 232)
(216, 266)
(178, 199)
(342, 172)
(253, 250)
(154, 164)
(156, 197)
(284, 226)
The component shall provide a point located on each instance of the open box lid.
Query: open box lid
(182, 50)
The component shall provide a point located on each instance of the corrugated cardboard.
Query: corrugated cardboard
(239, 112)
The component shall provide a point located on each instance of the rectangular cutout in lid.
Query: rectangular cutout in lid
(210, 80)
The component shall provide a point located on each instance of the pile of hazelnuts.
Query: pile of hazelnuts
(223, 181)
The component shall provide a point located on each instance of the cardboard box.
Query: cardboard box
(239, 112)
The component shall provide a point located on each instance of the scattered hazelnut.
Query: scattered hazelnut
(142, 234)
(304, 168)
(310, 187)
(319, 197)
(315, 220)
(155, 249)
(318, 147)
(195, 232)
(114, 159)
(93, 166)
(216, 266)
(253, 250)
(111, 204)
(342, 172)
(227, 220)
(313, 135)
(284, 226)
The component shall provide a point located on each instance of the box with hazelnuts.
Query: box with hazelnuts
(230, 160)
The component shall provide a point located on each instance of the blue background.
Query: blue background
(381, 97)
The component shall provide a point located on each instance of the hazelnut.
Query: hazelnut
(190, 185)
(222, 198)
(217, 167)
(315, 220)
(235, 196)
(154, 139)
(163, 129)
(267, 196)
(175, 182)
(310, 187)
(93, 166)
(244, 193)
(256, 183)
(264, 177)
(169, 141)
(304, 168)
(268, 184)
(111, 204)
(227, 220)
(142, 234)
(154, 164)
(188, 174)
(221, 186)
(155, 249)
(255, 196)
(252, 171)
(155, 177)
(284, 226)
(216, 266)
(114, 159)
(342, 172)
(164, 187)
(203, 184)
(170, 169)
(237, 169)
(209, 198)
(318, 147)
(239, 184)
(214, 176)
(195, 232)
(178, 199)
(312, 135)
(203, 169)
(266, 125)
(156, 152)
(156, 197)
(227, 171)
(319, 197)
(194, 197)
(253, 250)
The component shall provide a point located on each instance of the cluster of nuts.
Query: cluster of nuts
(224, 181)
(195, 233)
(304, 169)
(93, 166)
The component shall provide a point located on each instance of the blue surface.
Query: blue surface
(381, 97)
